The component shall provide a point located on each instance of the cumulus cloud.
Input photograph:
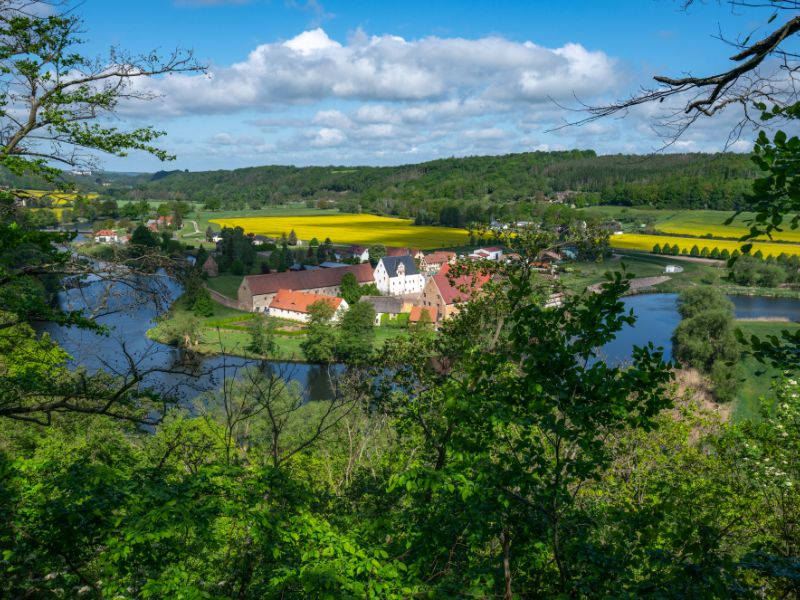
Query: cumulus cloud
(312, 67)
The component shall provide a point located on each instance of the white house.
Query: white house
(397, 275)
(291, 305)
(360, 253)
(106, 236)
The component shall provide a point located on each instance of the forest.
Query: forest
(454, 191)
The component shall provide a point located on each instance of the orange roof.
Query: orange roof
(300, 301)
(462, 288)
(439, 257)
(417, 311)
(105, 232)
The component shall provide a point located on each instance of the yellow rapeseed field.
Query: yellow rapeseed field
(704, 222)
(640, 241)
(353, 229)
(60, 198)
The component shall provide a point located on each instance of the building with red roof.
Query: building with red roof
(445, 294)
(288, 304)
(257, 291)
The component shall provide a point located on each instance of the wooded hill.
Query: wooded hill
(714, 181)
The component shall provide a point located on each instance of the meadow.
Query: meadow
(352, 229)
(645, 243)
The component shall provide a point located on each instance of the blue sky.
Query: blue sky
(324, 82)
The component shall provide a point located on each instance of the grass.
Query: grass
(755, 386)
(582, 274)
(645, 243)
(226, 331)
(352, 229)
(227, 285)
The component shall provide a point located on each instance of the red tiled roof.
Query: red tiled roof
(417, 311)
(306, 280)
(439, 257)
(105, 232)
(396, 251)
(300, 301)
(452, 293)
(493, 249)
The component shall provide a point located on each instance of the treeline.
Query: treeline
(454, 191)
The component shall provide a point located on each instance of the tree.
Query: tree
(376, 253)
(292, 241)
(319, 344)
(765, 74)
(695, 251)
(356, 334)
(142, 236)
(657, 249)
(53, 111)
(262, 336)
(693, 301)
(209, 233)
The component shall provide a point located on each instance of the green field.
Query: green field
(754, 386)
(226, 332)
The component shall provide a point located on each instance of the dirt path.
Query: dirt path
(638, 284)
(196, 229)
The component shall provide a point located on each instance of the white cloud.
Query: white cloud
(327, 137)
(313, 67)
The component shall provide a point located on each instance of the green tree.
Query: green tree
(356, 334)
(319, 343)
(693, 301)
(262, 336)
(376, 253)
(695, 251)
(657, 249)
(142, 236)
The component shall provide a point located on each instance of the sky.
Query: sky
(323, 82)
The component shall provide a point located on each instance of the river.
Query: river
(129, 321)
(657, 317)
(129, 318)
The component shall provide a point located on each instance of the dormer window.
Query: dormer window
(401, 269)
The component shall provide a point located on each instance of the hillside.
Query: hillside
(480, 186)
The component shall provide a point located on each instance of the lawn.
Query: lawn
(645, 242)
(225, 284)
(754, 386)
(352, 229)
(226, 332)
(579, 275)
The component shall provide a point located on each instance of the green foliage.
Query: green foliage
(356, 334)
(657, 249)
(695, 251)
(726, 380)
(319, 344)
(705, 334)
(262, 336)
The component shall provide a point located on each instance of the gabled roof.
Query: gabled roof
(300, 301)
(105, 232)
(306, 280)
(462, 288)
(384, 304)
(417, 311)
(390, 263)
(356, 249)
(439, 257)
(210, 262)
(493, 249)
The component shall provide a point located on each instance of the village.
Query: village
(409, 282)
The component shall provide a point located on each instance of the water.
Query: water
(657, 317)
(169, 372)
(128, 314)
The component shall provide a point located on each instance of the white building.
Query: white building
(106, 236)
(291, 305)
(397, 275)
(490, 253)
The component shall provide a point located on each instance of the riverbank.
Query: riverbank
(227, 331)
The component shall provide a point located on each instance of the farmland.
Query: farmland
(645, 242)
(59, 198)
(353, 229)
